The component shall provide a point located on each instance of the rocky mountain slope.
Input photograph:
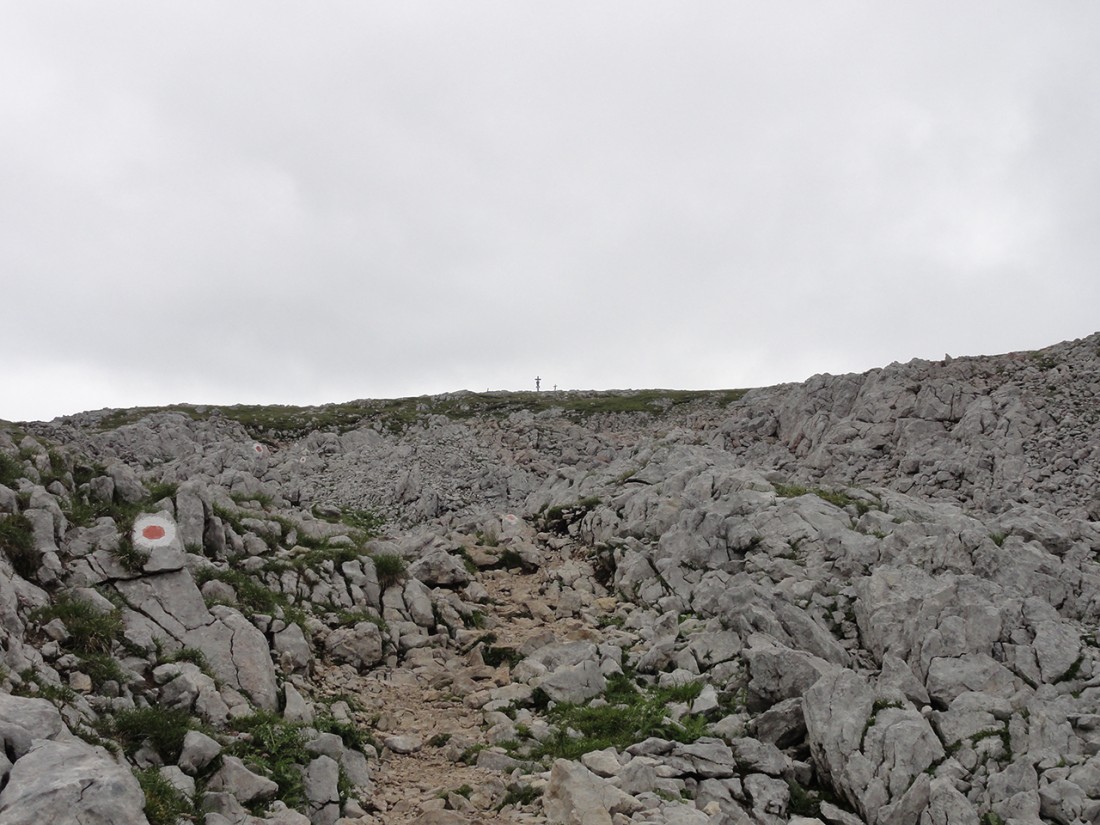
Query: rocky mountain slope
(863, 598)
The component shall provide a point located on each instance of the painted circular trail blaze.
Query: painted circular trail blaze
(153, 531)
(259, 448)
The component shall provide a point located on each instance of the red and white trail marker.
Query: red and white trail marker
(152, 531)
(258, 449)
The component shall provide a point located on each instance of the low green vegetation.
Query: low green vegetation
(101, 668)
(629, 715)
(834, 497)
(11, 470)
(83, 510)
(130, 557)
(91, 630)
(190, 655)
(350, 734)
(164, 804)
(558, 518)
(34, 685)
(275, 748)
(272, 423)
(366, 522)
(17, 543)
(315, 557)
(252, 596)
(163, 729)
(519, 795)
(262, 499)
(390, 568)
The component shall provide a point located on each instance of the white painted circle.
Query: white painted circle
(153, 531)
(510, 520)
(259, 449)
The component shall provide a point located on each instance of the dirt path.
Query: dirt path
(426, 715)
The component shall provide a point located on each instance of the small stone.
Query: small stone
(403, 744)
(80, 682)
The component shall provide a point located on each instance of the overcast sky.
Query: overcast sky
(272, 202)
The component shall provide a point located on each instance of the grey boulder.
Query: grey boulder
(70, 783)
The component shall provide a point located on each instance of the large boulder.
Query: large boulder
(576, 796)
(871, 751)
(70, 783)
(359, 646)
(238, 655)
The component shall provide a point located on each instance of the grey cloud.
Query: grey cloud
(281, 203)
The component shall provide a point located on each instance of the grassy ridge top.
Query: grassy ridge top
(277, 420)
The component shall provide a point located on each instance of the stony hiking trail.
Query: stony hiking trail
(425, 713)
(864, 598)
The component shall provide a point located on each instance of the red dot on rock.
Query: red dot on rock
(153, 531)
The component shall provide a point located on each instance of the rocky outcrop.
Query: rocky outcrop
(863, 598)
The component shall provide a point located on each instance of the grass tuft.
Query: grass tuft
(629, 716)
(91, 631)
(276, 748)
(390, 568)
(163, 728)
(17, 543)
(164, 804)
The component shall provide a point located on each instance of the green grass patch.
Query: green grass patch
(519, 795)
(834, 497)
(163, 728)
(35, 685)
(164, 804)
(11, 470)
(496, 656)
(275, 748)
(130, 557)
(160, 490)
(263, 499)
(101, 668)
(350, 734)
(270, 423)
(557, 519)
(191, 655)
(365, 521)
(314, 558)
(629, 716)
(252, 596)
(91, 631)
(390, 568)
(17, 543)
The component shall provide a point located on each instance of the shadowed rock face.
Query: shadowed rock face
(861, 598)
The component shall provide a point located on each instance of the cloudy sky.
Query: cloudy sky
(274, 202)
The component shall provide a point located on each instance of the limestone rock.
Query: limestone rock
(244, 785)
(576, 796)
(198, 751)
(70, 783)
(360, 645)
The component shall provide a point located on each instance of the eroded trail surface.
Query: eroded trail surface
(429, 718)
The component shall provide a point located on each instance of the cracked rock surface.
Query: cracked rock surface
(865, 598)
